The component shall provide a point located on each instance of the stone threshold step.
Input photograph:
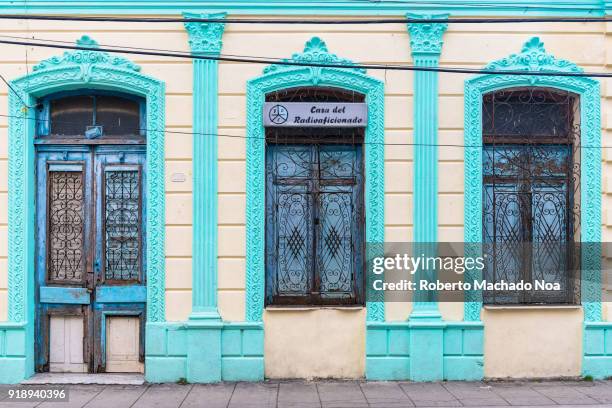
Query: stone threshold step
(75, 378)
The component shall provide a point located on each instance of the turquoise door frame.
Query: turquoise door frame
(73, 70)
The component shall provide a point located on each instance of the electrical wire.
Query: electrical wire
(321, 21)
(258, 60)
(263, 138)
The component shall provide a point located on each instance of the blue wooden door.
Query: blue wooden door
(90, 244)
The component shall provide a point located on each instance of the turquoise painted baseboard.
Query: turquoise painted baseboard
(447, 350)
(233, 352)
(597, 342)
(15, 366)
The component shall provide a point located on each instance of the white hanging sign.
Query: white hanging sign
(312, 114)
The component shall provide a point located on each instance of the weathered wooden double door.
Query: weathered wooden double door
(90, 258)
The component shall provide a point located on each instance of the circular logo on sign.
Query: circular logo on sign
(278, 114)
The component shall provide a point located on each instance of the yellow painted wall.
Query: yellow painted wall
(465, 45)
(327, 343)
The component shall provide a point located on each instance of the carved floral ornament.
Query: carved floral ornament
(86, 58)
(315, 51)
(205, 37)
(426, 38)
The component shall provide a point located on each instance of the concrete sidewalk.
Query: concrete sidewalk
(328, 394)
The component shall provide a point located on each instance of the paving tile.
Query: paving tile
(117, 396)
(471, 393)
(163, 396)
(298, 395)
(564, 395)
(254, 395)
(430, 395)
(341, 394)
(78, 396)
(519, 393)
(209, 396)
(599, 391)
(385, 394)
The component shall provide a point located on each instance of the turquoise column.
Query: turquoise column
(426, 326)
(205, 325)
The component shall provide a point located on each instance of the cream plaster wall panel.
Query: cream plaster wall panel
(233, 76)
(398, 146)
(178, 75)
(232, 110)
(178, 273)
(3, 208)
(532, 343)
(179, 110)
(233, 144)
(178, 241)
(451, 311)
(178, 145)
(3, 176)
(3, 305)
(398, 234)
(450, 234)
(178, 305)
(176, 171)
(450, 209)
(397, 311)
(396, 82)
(454, 150)
(232, 305)
(398, 177)
(398, 112)
(231, 273)
(179, 209)
(3, 274)
(290, 336)
(384, 47)
(3, 241)
(398, 209)
(451, 111)
(3, 289)
(585, 49)
(3, 140)
(232, 240)
(232, 176)
(232, 209)
(450, 177)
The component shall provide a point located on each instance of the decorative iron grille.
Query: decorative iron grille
(314, 208)
(66, 226)
(122, 225)
(531, 170)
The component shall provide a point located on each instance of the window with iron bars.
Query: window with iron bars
(314, 208)
(531, 193)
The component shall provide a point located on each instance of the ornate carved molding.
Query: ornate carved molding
(315, 50)
(278, 77)
(426, 39)
(81, 68)
(534, 58)
(205, 38)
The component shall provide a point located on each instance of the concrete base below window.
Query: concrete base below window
(424, 351)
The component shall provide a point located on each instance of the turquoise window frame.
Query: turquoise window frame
(74, 70)
(534, 57)
(278, 77)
